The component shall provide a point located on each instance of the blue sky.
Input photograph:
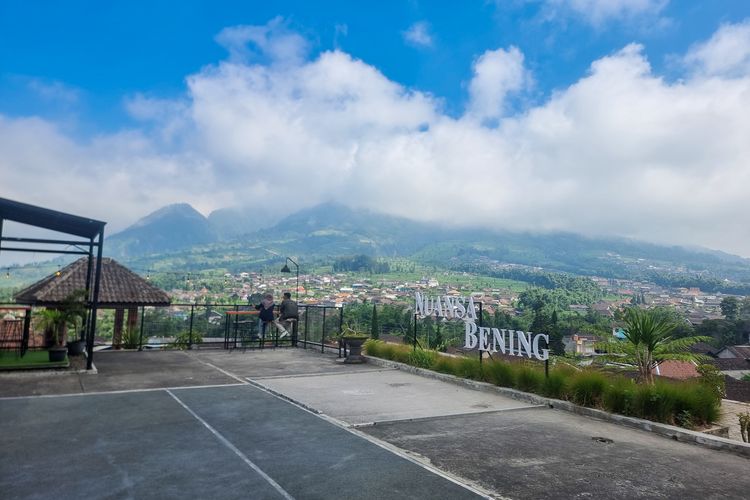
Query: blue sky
(165, 102)
(105, 51)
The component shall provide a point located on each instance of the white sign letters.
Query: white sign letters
(511, 342)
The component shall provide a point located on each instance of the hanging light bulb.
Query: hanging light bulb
(7, 273)
(148, 275)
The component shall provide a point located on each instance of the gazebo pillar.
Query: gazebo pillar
(132, 324)
(117, 334)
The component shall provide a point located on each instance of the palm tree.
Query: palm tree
(648, 342)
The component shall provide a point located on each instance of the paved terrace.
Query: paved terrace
(291, 423)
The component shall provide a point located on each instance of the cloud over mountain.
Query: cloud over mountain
(620, 151)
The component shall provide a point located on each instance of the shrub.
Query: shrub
(374, 347)
(469, 368)
(619, 396)
(529, 379)
(445, 364)
(555, 386)
(684, 419)
(663, 401)
(131, 338)
(712, 378)
(499, 373)
(744, 420)
(586, 388)
(182, 340)
(686, 404)
(696, 399)
(421, 358)
(401, 353)
(646, 402)
(387, 351)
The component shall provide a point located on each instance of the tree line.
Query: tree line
(360, 263)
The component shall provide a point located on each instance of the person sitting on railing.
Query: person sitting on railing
(288, 312)
(265, 315)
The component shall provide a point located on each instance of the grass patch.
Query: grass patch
(468, 368)
(619, 396)
(422, 358)
(445, 364)
(555, 386)
(500, 374)
(587, 388)
(529, 379)
(31, 360)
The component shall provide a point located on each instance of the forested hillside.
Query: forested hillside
(179, 239)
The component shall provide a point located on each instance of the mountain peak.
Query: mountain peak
(170, 228)
(178, 210)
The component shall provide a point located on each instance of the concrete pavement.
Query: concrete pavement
(504, 447)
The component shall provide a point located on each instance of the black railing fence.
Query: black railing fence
(185, 326)
(232, 326)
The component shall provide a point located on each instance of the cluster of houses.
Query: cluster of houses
(693, 303)
(339, 289)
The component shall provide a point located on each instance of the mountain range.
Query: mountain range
(331, 230)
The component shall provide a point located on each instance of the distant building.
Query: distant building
(679, 370)
(583, 345)
(734, 351)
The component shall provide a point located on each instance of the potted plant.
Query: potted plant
(74, 307)
(353, 342)
(54, 322)
(66, 318)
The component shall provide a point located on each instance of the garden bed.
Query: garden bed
(689, 405)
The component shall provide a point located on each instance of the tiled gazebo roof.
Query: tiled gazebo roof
(120, 287)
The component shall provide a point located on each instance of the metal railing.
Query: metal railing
(186, 326)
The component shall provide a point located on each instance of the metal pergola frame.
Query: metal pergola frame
(82, 227)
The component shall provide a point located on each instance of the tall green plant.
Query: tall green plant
(69, 314)
(374, 326)
(649, 341)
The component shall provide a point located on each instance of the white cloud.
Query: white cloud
(116, 178)
(339, 31)
(496, 74)
(171, 116)
(273, 40)
(726, 54)
(419, 35)
(620, 152)
(599, 12)
(53, 90)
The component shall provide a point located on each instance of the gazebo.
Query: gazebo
(121, 289)
(84, 236)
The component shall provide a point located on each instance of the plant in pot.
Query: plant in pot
(59, 321)
(74, 307)
(54, 323)
(354, 341)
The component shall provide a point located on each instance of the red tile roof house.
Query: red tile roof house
(679, 370)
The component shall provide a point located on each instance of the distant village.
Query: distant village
(339, 289)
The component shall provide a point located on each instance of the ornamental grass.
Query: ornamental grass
(687, 404)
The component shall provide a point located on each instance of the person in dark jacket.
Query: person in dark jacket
(287, 311)
(265, 314)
